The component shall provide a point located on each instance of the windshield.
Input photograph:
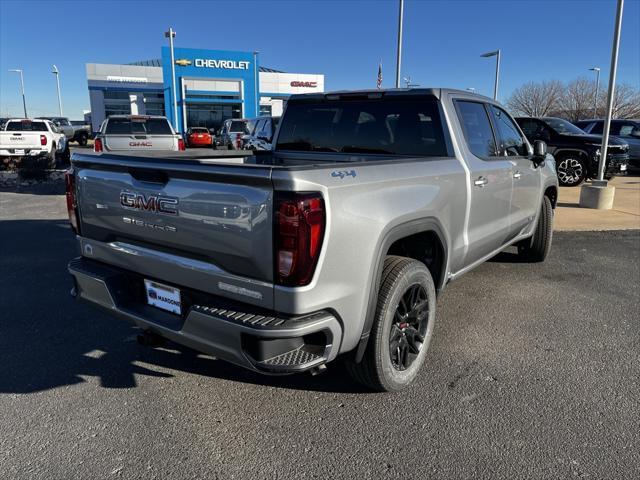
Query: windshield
(199, 130)
(562, 126)
(26, 126)
(397, 126)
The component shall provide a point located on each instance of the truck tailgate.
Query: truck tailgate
(114, 143)
(214, 220)
(20, 140)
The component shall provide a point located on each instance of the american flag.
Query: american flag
(379, 83)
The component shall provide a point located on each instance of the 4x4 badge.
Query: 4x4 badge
(343, 173)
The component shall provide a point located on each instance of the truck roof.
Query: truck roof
(427, 91)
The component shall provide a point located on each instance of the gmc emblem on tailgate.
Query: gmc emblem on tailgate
(152, 203)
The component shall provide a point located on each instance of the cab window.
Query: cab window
(477, 128)
(511, 142)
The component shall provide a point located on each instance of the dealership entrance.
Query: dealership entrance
(211, 115)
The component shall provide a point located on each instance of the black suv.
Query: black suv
(626, 130)
(576, 152)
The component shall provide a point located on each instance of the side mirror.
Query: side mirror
(539, 152)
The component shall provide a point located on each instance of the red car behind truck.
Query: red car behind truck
(199, 137)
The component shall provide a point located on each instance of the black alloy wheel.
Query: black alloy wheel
(409, 327)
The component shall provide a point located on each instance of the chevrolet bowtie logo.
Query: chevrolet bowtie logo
(183, 62)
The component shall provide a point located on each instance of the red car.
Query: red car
(199, 137)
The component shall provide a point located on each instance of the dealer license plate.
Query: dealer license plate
(163, 296)
(19, 151)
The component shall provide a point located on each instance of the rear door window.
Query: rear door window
(477, 128)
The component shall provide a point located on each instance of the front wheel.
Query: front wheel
(572, 170)
(537, 248)
(402, 327)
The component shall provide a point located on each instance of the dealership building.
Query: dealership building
(211, 86)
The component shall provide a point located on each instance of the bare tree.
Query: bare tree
(536, 99)
(626, 102)
(577, 100)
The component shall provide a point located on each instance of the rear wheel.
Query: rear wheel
(537, 248)
(52, 157)
(82, 139)
(572, 170)
(402, 327)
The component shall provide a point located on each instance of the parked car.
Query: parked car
(199, 137)
(263, 133)
(335, 243)
(576, 153)
(230, 134)
(626, 130)
(24, 137)
(249, 129)
(131, 133)
(73, 133)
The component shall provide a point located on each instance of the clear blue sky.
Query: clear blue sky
(345, 40)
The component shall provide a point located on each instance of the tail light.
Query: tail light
(43, 139)
(72, 206)
(238, 141)
(181, 146)
(299, 231)
(97, 145)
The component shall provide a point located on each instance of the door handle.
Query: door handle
(517, 175)
(480, 182)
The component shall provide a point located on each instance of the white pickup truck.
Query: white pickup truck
(137, 133)
(32, 138)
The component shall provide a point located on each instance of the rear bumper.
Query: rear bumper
(258, 340)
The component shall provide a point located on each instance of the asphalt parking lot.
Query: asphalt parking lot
(534, 372)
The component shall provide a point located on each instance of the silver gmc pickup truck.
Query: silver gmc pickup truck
(334, 244)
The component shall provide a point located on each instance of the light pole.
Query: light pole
(57, 74)
(24, 102)
(595, 100)
(399, 52)
(257, 81)
(599, 194)
(496, 54)
(171, 34)
(612, 86)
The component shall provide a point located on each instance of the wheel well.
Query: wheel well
(425, 247)
(568, 152)
(552, 193)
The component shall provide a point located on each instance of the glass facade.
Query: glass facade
(116, 103)
(154, 103)
(211, 115)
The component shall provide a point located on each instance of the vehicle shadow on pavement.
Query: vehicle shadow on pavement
(49, 340)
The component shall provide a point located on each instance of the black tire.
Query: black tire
(52, 157)
(82, 139)
(571, 169)
(537, 248)
(378, 371)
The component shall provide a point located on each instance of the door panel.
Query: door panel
(488, 226)
(513, 146)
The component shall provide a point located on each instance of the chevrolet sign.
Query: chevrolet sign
(224, 64)
(183, 62)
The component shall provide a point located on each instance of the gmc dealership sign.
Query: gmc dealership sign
(224, 64)
(304, 84)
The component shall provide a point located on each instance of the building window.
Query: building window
(205, 96)
(154, 103)
(116, 103)
(265, 110)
